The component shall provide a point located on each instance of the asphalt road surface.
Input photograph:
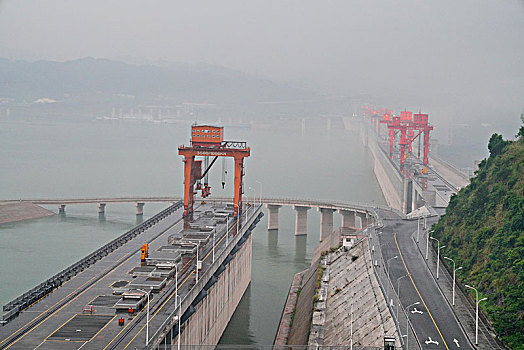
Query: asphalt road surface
(432, 319)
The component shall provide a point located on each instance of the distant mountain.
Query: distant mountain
(100, 80)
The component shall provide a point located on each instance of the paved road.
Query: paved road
(437, 322)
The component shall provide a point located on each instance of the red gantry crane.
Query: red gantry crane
(409, 125)
(208, 141)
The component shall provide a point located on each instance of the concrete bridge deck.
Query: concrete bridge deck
(354, 214)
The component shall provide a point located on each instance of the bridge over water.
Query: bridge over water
(355, 215)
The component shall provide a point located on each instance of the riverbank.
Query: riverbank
(19, 211)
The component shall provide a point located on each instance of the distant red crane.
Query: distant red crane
(409, 125)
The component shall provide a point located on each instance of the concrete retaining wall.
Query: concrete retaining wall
(390, 181)
(213, 313)
(299, 330)
(352, 300)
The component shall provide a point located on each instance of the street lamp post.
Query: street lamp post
(476, 313)
(398, 291)
(238, 223)
(438, 252)
(389, 276)
(254, 196)
(214, 231)
(454, 271)
(197, 261)
(351, 328)
(427, 244)
(407, 323)
(147, 319)
(179, 321)
(438, 259)
(177, 301)
(260, 183)
(418, 228)
(227, 229)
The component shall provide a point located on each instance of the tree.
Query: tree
(496, 144)
(521, 130)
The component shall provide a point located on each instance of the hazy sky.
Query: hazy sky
(467, 51)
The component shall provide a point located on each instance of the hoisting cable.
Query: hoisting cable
(224, 172)
(206, 166)
(207, 169)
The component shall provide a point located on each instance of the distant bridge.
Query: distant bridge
(349, 211)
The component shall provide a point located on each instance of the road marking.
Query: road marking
(420, 296)
(456, 342)
(431, 341)
(415, 311)
(83, 345)
(39, 344)
(56, 330)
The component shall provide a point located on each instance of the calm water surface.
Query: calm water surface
(62, 159)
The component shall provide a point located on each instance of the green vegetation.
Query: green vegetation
(483, 229)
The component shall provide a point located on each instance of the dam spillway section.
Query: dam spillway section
(183, 286)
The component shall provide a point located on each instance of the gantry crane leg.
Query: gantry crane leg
(188, 184)
(239, 173)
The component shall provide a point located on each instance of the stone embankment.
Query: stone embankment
(338, 292)
(350, 306)
(18, 211)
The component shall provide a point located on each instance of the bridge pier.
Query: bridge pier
(101, 208)
(139, 208)
(416, 199)
(301, 220)
(61, 209)
(326, 222)
(272, 220)
(363, 218)
(348, 218)
(407, 189)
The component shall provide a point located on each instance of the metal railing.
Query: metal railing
(12, 308)
(270, 347)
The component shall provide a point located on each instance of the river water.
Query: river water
(87, 159)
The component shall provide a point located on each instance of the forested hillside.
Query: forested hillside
(483, 230)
